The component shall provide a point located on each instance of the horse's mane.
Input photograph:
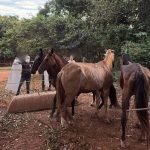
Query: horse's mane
(62, 58)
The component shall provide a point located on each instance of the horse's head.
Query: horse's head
(109, 58)
(48, 62)
(110, 54)
(37, 61)
(124, 59)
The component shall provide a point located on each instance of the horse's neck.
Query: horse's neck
(108, 62)
(60, 62)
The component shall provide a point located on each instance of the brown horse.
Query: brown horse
(54, 63)
(75, 78)
(51, 72)
(134, 80)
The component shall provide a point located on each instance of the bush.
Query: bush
(138, 52)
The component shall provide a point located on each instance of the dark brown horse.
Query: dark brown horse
(36, 63)
(76, 78)
(134, 80)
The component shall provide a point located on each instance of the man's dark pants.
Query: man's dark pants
(26, 78)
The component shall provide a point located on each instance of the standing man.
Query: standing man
(25, 74)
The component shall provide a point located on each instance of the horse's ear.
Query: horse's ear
(41, 51)
(52, 50)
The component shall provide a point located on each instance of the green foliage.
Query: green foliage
(81, 27)
(139, 52)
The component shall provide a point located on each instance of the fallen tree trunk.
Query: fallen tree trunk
(31, 102)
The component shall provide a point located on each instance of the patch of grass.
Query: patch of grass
(53, 136)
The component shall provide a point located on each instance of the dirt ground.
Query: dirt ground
(4, 75)
(36, 131)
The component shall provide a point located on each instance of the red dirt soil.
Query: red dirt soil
(36, 131)
(4, 75)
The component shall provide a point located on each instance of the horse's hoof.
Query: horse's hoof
(56, 119)
(70, 122)
(56, 115)
(64, 123)
(50, 116)
(123, 144)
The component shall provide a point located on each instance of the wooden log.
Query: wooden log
(31, 102)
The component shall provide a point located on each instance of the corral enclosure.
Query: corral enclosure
(36, 131)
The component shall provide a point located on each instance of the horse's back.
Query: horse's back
(130, 71)
(86, 76)
(127, 70)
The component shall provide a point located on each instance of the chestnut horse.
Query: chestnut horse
(36, 63)
(75, 78)
(55, 63)
(134, 80)
(51, 72)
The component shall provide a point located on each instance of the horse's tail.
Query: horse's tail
(141, 98)
(60, 93)
(113, 97)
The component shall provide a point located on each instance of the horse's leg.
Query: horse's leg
(64, 112)
(50, 83)
(65, 115)
(144, 127)
(126, 94)
(54, 106)
(102, 99)
(94, 95)
(98, 100)
(72, 105)
(113, 97)
(43, 85)
(105, 96)
(121, 80)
